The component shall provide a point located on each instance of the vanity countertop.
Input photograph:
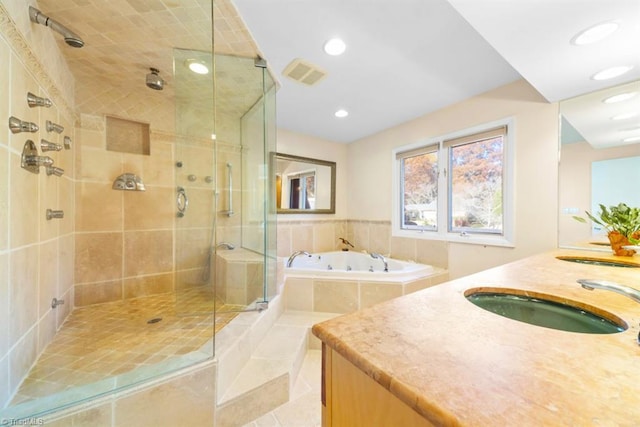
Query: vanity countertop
(457, 364)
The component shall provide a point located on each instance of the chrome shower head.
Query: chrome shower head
(154, 81)
(71, 38)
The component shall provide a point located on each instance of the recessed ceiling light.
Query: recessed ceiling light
(595, 34)
(632, 139)
(341, 113)
(624, 116)
(619, 98)
(335, 47)
(197, 66)
(611, 73)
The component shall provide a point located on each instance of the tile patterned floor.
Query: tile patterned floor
(107, 339)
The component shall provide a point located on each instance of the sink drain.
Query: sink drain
(154, 320)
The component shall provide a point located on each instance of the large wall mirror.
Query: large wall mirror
(599, 161)
(304, 185)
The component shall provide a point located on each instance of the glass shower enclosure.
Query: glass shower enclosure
(225, 226)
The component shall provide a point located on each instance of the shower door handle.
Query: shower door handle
(182, 201)
(229, 212)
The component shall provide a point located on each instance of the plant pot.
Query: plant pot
(617, 241)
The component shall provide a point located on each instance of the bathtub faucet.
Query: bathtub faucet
(381, 258)
(294, 255)
(590, 285)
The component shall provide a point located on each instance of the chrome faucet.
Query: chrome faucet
(590, 285)
(380, 257)
(294, 255)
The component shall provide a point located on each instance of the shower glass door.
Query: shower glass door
(225, 233)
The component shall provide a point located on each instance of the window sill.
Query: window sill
(471, 239)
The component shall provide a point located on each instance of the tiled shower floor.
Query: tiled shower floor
(108, 339)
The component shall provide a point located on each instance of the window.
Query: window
(457, 187)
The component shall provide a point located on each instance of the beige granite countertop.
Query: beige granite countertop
(457, 364)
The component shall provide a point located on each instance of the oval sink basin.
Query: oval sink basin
(542, 310)
(599, 261)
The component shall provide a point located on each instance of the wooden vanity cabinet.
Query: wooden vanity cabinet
(350, 398)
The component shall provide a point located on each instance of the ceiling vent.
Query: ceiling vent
(304, 72)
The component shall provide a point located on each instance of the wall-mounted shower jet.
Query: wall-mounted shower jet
(70, 37)
(154, 81)
(36, 101)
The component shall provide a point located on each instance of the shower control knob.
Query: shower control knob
(178, 164)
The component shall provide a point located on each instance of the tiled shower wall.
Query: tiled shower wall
(322, 235)
(124, 239)
(36, 254)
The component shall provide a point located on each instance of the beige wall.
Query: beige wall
(575, 186)
(536, 133)
(36, 254)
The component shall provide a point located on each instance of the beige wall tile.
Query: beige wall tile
(4, 195)
(91, 137)
(46, 330)
(432, 252)
(98, 257)
(23, 82)
(98, 207)
(199, 213)
(150, 209)
(403, 248)
(5, 84)
(156, 168)
(335, 297)
(148, 285)
(380, 238)
(255, 279)
(24, 215)
(324, 237)
(186, 279)
(66, 158)
(48, 275)
(97, 416)
(192, 248)
(360, 235)
(48, 200)
(283, 239)
(98, 164)
(147, 252)
(65, 263)
(298, 294)
(5, 393)
(375, 292)
(22, 357)
(302, 238)
(67, 205)
(23, 291)
(4, 309)
(95, 293)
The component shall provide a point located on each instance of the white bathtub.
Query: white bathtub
(354, 266)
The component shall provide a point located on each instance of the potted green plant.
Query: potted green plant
(622, 224)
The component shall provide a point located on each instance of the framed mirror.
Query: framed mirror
(599, 160)
(304, 185)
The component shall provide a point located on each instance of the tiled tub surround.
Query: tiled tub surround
(341, 291)
(322, 235)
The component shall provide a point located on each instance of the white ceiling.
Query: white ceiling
(406, 58)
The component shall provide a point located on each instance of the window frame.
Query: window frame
(507, 237)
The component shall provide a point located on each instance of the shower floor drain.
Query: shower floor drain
(154, 320)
